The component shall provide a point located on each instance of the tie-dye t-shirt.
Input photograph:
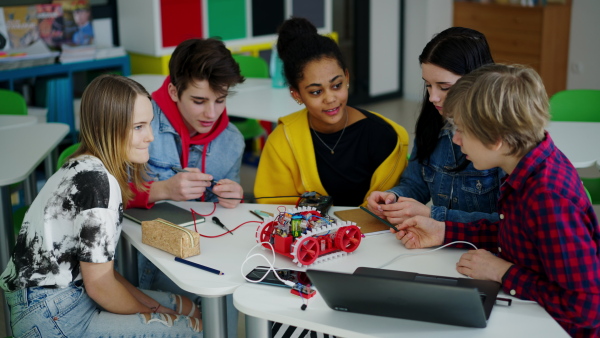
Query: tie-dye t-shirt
(76, 217)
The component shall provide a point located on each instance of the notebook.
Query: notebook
(164, 210)
(408, 295)
(369, 225)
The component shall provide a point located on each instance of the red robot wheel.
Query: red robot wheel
(307, 251)
(348, 238)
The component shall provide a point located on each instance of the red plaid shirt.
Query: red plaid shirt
(549, 230)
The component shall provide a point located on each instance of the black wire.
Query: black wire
(241, 199)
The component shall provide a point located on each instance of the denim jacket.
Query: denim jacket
(223, 156)
(463, 196)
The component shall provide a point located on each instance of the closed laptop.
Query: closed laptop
(408, 295)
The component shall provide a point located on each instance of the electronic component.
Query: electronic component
(321, 203)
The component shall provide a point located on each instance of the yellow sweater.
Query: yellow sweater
(288, 165)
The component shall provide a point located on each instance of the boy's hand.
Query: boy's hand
(482, 264)
(230, 189)
(188, 185)
(421, 232)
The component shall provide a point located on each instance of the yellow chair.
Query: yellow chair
(579, 105)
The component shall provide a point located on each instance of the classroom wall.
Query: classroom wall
(584, 71)
(423, 18)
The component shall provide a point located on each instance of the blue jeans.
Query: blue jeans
(151, 278)
(70, 312)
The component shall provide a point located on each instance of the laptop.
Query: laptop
(408, 295)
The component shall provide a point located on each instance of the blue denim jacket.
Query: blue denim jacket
(223, 156)
(463, 196)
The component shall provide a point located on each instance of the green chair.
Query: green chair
(579, 105)
(66, 153)
(576, 105)
(12, 103)
(252, 66)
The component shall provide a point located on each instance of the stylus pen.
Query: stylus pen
(199, 266)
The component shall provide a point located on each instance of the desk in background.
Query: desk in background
(579, 141)
(22, 149)
(227, 253)
(16, 121)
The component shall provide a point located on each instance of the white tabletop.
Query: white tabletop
(16, 121)
(228, 252)
(277, 304)
(579, 141)
(225, 253)
(23, 148)
(150, 81)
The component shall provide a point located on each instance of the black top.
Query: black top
(346, 174)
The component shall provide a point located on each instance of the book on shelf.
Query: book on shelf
(21, 25)
(50, 24)
(77, 17)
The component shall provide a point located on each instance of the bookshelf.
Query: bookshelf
(60, 86)
(535, 36)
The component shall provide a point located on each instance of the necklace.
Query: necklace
(338, 141)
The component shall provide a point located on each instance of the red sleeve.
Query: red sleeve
(140, 199)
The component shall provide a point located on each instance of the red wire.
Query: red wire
(225, 233)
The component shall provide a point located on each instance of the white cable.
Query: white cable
(271, 266)
(426, 252)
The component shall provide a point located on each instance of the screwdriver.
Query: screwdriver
(218, 222)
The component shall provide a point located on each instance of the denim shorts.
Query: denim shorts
(70, 312)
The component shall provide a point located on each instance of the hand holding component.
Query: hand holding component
(186, 185)
(378, 198)
(229, 193)
(403, 209)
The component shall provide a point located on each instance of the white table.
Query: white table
(22, 149)
(257, 99)
(579, 141)
(262, 304)
(16, 121)
(227, 253)
(267, 303)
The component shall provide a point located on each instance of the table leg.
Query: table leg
(126, 261)
(7, 242)
(258, 327)
(214, 317)
(30, 188)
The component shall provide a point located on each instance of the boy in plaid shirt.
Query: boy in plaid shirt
(545, 247)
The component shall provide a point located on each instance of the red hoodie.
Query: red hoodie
(169, 108)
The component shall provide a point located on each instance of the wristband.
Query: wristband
(154, 309)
